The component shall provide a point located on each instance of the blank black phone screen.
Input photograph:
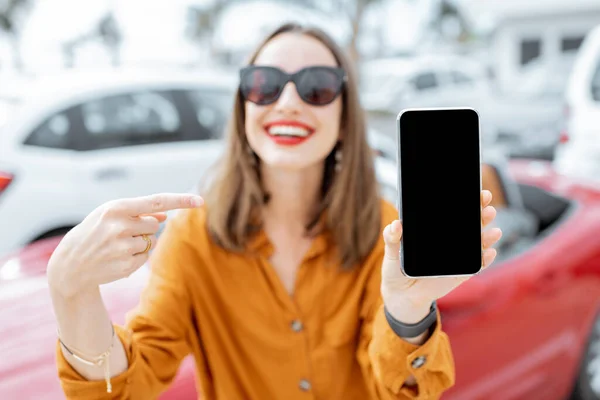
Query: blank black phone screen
(439, 192)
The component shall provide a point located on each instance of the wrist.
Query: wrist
(407, 313)
(404, 309)
(74, 297)
(67, 290)
(414, 332)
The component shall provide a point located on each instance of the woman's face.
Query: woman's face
(291, 133)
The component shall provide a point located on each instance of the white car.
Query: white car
(422, 81)
(71, 142)
(578, 154)
(391, 84)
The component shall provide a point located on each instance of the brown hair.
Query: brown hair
(349, 199)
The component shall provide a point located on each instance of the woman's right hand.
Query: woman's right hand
(108, 244)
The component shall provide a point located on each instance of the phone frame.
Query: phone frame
(399, 184)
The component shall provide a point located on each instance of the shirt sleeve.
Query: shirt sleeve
(154, 336)
(387, 360)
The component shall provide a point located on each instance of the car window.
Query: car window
(425, 81)
(571, 43)
(55, 132)
(596, 83)
(212, 109)
(531, 49)
(131, 119)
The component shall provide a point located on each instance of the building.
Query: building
(541, 36)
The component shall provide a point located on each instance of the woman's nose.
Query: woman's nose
(289, 100)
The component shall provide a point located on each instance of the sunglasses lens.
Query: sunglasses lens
(261, 85)
(319, 86)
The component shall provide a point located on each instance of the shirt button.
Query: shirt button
(304, 385)
(419, 362)
(296, 325)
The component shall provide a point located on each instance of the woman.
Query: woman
(280, 285)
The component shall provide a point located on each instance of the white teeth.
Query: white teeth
(282, 130)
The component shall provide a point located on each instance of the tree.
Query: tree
(359, 9)
(202, 20)
(354, 9)
(12, 13)
(110, 34)
(106, 30)
(447, 10)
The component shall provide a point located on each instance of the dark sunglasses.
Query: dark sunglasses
(316, 85)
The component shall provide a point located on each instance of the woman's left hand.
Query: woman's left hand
(409, 299)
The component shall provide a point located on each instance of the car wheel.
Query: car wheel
(587, 386)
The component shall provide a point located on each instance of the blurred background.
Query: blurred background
(103, 99)
(87, 86)
(510, 59)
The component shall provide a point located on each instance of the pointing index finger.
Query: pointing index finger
(159, 203)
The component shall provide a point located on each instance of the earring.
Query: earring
(338, 159)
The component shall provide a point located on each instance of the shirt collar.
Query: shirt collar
(323, 241)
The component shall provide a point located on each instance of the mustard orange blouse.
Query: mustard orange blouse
(251, 340)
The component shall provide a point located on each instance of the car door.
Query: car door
(147, 141)
(512, 327)
(46, 175)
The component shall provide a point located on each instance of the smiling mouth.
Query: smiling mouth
(288, 131)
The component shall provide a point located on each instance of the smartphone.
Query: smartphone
(439, 191)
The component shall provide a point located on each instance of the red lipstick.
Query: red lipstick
(290, 139)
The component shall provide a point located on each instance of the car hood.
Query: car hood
(28, 330)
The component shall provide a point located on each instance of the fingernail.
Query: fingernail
(197, 201)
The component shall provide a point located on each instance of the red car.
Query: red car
(28, 331)
(526, 328)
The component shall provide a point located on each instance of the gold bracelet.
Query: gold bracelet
(98, 361)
